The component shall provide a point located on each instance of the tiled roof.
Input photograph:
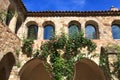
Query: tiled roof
(67, 13)
(74, 13)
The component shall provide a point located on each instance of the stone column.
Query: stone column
(14, 75)
(12, 24)
(40, 32)
(83, 27)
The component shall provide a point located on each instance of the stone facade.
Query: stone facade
(4, 4)
(11, 38)
(62, 23)
(9, 42)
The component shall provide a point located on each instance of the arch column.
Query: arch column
(40, 32)
(83, 27)
(65, 27)
(34, 70)
(12, 24)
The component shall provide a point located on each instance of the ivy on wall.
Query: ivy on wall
(105, 64)
(116, 64)
(27, 47)
(4, 15)
(63, 51)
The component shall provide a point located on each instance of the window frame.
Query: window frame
(36, 32)
(112, 31)
(96, 31)
(53, 30)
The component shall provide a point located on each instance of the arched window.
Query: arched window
(73, 29)
(10, 14)
(90, 32)
(116, 31)
(32, 32)
(48, 31)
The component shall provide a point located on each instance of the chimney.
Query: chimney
(114, 8)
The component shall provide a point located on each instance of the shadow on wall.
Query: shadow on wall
(34, 70)
(6, 65)
(84, 70)
(88, 70)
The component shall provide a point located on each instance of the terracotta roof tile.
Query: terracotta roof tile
(74, 13)
(67, 13)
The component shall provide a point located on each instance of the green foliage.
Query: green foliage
(18, 64)
(37, 52)
(17, 52)
(63, 51)
(2, 15)
(104, 64)
(116, 65)
(27, 47)
(58, 67)
(31, 33)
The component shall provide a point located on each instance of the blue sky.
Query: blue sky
(70, 5)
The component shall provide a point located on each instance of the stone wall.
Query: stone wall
(4, 4)
(9, 42)
(11, 6)
(62, 23)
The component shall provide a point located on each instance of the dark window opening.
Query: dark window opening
(73, 29)
(116, 31)
(90, 32)
(32, 32)
(48, 32)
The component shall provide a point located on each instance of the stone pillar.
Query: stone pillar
(64, 27)
(14, 74)
(105, 29)
(83, 27)
(112, 58)
(40, 32)
(12, 24)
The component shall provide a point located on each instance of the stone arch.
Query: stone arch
(116, 22)
(95, 25)
(10, 13)
(48, 23)
(31, 23)
(75, 23)
(6, 65)
(88, 70)
(34, 25)
(115, 29)
(34, 70)
(49, 29)
(74, 27)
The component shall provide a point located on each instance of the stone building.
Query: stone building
(102, 27)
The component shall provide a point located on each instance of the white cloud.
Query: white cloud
(79, 2)
(56, 5)
(70, 4)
